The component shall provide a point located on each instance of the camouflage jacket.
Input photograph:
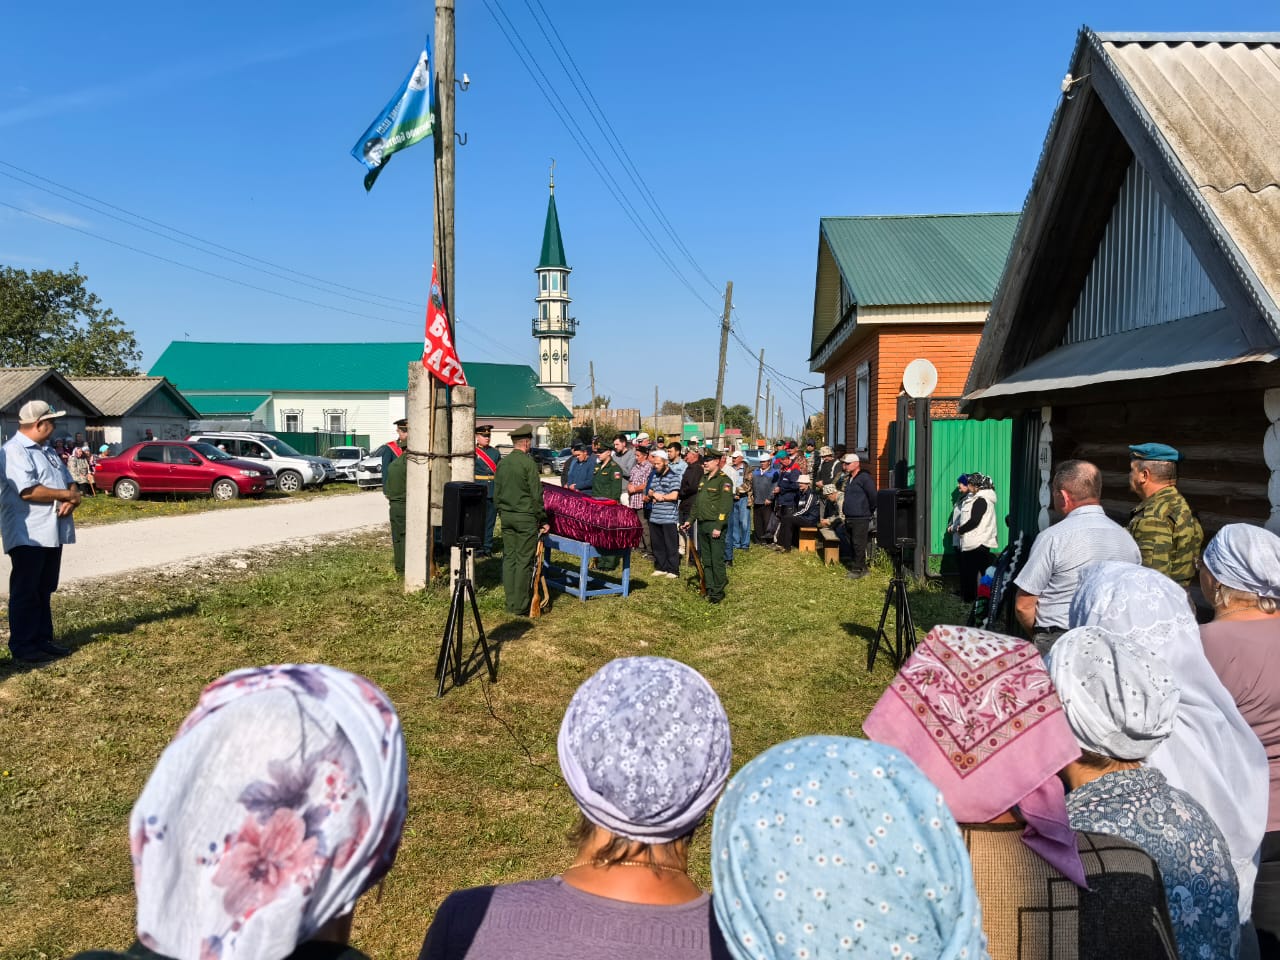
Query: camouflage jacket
(1168, 534)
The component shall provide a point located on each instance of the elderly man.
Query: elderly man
(1163, 526)
(486, 469)
(763, 479)
(663, 496)
(828, 468)
(581, 470)
(740, 520)
(858, 506)
(805, 514)
(689, 482)
(1059, 554)
(734, 473)
(35, 521)
(518, 495)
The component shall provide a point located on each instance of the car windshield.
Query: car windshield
(279, 447)
(210, 452)
(342, 453)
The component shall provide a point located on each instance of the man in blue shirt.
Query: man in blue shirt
(36, 504)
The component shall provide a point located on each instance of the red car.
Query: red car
(170, 466)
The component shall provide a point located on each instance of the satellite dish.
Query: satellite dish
(920, 378)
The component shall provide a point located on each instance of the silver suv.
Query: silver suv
(293, 470)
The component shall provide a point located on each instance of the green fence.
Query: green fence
(316, 444)
(962, 446)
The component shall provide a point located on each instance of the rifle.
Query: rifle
(541, 592)
(696, 554)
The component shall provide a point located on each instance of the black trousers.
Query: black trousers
(666, 547)
(972, 563)
(32, 580)
(789, 531)
(857, 529)
(763, 516)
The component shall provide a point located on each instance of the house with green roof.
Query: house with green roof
(356, 388)
(890, 290)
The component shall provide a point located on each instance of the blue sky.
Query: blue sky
(748, 121)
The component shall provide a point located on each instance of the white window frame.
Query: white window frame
(341, 416)
(862, 402)
(296, 415)
(836, 411)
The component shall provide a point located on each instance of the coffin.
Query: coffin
(605, 524)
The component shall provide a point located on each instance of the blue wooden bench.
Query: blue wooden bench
(581, 583)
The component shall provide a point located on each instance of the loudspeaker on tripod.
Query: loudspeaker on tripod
(895, 519)
(463, 513)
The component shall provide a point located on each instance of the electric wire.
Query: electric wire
(191, 236)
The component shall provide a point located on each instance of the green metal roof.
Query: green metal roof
(552, 245)
(502, 389)
(942, 258)
(220, 404)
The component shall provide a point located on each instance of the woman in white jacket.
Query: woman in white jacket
(976, 533)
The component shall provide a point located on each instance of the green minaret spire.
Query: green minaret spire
(552, 245)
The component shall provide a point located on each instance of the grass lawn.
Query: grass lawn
(107, 509)
(786, 651)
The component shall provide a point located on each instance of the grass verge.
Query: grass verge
(103, 508)
(786, 651)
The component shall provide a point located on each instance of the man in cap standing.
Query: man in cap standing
(486, 469)
(35, 521)
(1163, 526)
(740, 526)
(518, 496)
(395, 487)
(711, 508)
(858, 505)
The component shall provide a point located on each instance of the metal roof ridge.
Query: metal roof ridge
(921, 216)
(1192, 37)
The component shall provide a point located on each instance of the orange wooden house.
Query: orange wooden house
(889, 290)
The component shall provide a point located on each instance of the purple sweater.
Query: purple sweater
(550, 920)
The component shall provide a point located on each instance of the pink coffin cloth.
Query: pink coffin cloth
(978, 714)
(605, 524)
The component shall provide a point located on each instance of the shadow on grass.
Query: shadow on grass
(92, 633)
(473, 664)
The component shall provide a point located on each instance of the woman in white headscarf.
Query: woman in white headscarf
(1211, 753)
(1240, 576)
(280, 801)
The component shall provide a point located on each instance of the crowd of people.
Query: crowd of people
(1111, 799)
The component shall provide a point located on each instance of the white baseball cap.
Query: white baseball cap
(33, 411)
(849, 458)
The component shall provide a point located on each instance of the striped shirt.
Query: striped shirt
(664, 511)
(1059, 555)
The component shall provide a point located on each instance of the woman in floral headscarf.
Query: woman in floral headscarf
(280, 801)
(644, 748)
(835, 847)
(977, 712)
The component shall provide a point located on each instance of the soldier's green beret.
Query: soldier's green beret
(1154, 451)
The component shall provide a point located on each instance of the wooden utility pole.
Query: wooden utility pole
(591, 367)
(768, 410)
(755, 414)
(655, 412)
(724, 349)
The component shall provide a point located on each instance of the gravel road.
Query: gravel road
(117, 548)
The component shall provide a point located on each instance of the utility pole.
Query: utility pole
(427, 401)
(655, 411)
(591, 367)
(768, 410)
(755, 414)
(724, 349)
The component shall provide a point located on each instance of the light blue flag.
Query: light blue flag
(408, 118)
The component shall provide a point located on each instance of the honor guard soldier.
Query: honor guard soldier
(393, 449)
(607, 483)
(395, 488)
(486, 470)
(1165, 529)
(711, 508)
(518, 495)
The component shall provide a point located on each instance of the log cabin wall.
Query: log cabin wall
(1223, 474)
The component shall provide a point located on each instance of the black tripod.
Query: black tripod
(895, 596)
(451, 643)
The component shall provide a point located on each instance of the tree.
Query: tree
(671, 408)
(736, 417)
(559, 432)
(599, 402)
(49, 319)
(701, 411)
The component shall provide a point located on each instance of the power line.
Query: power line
(191, 236)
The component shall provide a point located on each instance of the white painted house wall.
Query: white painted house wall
(367, 413)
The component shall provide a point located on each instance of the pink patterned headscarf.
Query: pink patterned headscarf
(978, 714)
(281, 799)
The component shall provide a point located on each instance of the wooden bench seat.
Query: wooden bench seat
(828, 545)
(808, 540)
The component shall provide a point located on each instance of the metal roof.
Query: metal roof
(220, 404)
(502, 389)
(552, 244)
(928, 259)
(117, 396)
(1215, 99)
(17, 382)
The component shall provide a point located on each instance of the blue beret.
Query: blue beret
(1154, 451)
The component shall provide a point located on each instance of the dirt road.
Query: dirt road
(117, 548)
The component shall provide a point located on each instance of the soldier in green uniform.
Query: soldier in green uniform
(1166, 531)
(518, 496)
(712, 506)
(394, 486)
(607, 483)
(486, 469)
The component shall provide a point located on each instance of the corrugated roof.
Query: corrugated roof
(1216, 101)
(16, 381)
(220, 404)
(502, 389)
(117, 396)
(942, 258)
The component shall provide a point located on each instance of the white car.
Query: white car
(346, 460)
(369, 471)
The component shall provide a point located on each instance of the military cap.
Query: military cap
(522, 431)
(402, 422)
(485, 428)
(1154, 451)
(711, 454)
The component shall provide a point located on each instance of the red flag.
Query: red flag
(438, 353)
